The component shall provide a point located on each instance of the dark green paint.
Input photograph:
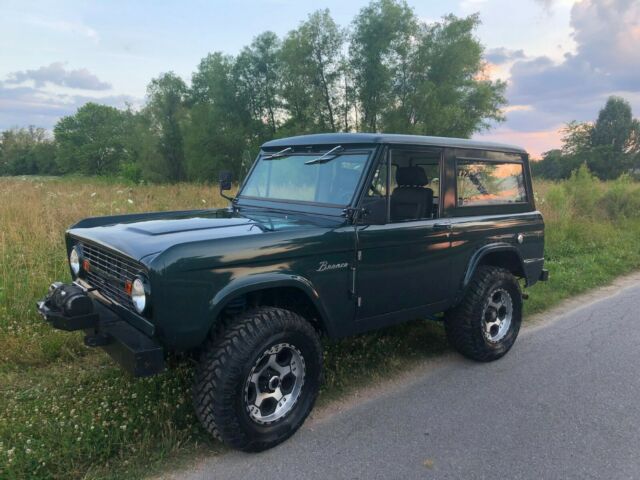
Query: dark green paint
(198, 261)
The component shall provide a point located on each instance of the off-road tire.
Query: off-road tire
(464, 323)
(225, 366)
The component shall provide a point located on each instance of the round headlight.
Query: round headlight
(74, 261)
(139, 294)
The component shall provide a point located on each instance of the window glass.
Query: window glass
(414, 186)
(290, 178)
(489, 183)
(378, 187)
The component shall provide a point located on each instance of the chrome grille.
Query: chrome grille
(109, 272)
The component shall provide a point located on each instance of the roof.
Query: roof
(388, 138)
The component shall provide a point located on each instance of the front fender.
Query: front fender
(252, 283)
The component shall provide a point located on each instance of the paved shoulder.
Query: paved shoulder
(564, 403)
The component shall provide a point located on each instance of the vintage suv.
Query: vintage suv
(331, 234)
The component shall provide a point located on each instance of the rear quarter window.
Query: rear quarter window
(489, 183)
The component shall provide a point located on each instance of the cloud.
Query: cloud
(536, 142)
(606, 61)
(549, 4)
(56, 74)
(501, 55)
(26, 105)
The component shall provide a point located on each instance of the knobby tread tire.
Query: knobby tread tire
(463, 323)
(223, 365)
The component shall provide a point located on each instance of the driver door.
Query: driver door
(403, 262)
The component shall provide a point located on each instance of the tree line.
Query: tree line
(609, 147)
(388, 71)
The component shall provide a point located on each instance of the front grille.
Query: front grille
(109, 272)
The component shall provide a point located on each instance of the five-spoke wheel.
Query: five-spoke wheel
(274, 383)
(497, 314)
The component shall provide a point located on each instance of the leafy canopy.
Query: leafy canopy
(389, 71)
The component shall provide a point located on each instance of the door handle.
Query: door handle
(442, 226)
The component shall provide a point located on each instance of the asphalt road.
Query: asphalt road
(564, 403)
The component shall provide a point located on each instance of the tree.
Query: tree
(91, 141)
(420, 78)
(555, 165)
(444, 92)
(312, 69)
(614, 140)
(616, 127)
(217, 136)
(576, 138)
(26, 151)
(257, 71)
(165, 113)
(382, 33)
(609, 147)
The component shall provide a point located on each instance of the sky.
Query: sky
(561, 59)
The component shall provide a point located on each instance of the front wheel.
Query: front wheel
(258, 381)
(485, 324)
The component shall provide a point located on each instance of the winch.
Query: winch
(68, 307)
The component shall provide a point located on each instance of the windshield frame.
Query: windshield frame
(285, 204)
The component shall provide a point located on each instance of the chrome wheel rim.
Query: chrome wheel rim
(497, 315)
(274, 384)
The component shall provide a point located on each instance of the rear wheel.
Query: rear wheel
(258, 380)
(485, 325)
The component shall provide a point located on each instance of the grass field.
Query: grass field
(68, 412)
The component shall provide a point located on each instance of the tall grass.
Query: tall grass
(68, 412)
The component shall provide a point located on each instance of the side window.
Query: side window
(489, 183)
(415, 185)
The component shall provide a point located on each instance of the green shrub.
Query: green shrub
(559, 204)
(622, 199)
(584, 191)
(131, 172)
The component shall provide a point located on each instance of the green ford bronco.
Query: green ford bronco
(329, 235)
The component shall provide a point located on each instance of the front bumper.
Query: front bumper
(135, 351)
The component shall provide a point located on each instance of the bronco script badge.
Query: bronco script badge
(324, 266)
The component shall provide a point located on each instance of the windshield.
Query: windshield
(289, 178)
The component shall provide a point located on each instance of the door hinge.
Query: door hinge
(359, 302)
(359, 255)
(353, 281)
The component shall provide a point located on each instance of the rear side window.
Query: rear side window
(490, 183)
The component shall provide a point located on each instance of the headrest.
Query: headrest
(413, 176)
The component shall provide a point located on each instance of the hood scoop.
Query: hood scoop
(169, 226)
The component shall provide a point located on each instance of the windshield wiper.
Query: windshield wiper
(330, 155)
(281, 153)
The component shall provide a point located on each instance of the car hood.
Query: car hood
(142, 235)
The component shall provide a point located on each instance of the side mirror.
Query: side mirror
(224, 179)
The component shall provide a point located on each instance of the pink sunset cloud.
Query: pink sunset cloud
(535, 142)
